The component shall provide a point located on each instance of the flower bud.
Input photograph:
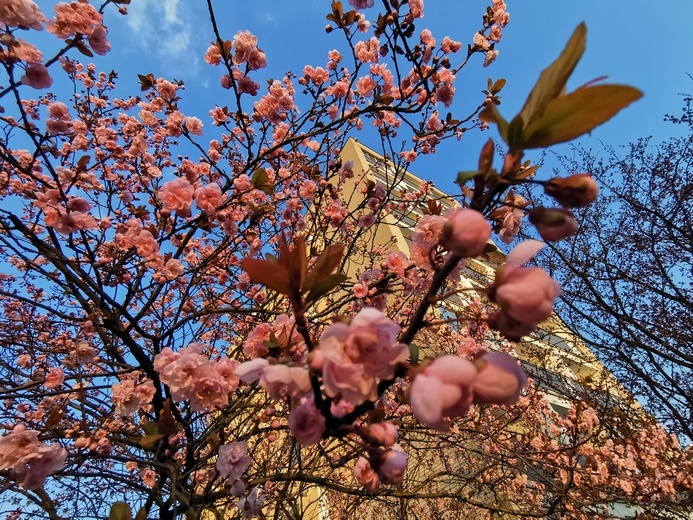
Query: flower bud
(510, 328)
(500, 379)
(575, 191)
(526, 294)
(364, 474)
(381, 434)
(393, 464)
(466, 233)
(554, 223)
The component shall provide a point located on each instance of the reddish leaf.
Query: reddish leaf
(327, 262)
(269, 274)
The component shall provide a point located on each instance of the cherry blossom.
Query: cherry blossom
(307, 423)
(233, 460)
(355, 355)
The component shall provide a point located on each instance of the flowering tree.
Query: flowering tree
(180, 336)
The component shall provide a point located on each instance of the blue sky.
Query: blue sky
(639, 43)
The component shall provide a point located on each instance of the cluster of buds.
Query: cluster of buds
(447, 387)
(386, 461)
(575, 191)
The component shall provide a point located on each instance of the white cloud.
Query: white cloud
(163, 29)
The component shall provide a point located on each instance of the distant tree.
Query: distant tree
(626, 274)
(178, 334)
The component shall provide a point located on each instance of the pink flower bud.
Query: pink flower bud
(553, 224)
(364, 474)
(392, 465)
(382, 434)
(500, 379)
(466, 233)
(575, 191)
(509, 327)
(226, 81)
(443, 389)
(526, 294)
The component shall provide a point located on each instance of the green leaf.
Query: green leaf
(267, 188)
(498, 86)
(515, 132)
(146, 440)
(81, 47)
(577, 113)
(325, 285)
(490, 114)
(120, 511)
(260, 177)
(150, 428)
(553, 79)
(463, 177)
(261, 181)
(414, 353)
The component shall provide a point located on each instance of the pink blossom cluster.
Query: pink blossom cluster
(19, 50)
(191, 375)
(510, 217)
(445, 91)
(250, 506)
(361, 4)
(130, 395)
(279, 380)
(465, 233)
(282, 333)
(24, 14)
(449, 385)
(80, 17)
(209, 198)
(133, 235)
(306, 423)
(275, 105)
(177, 195)
(511, 224)
(525, 295)
(553, 223)
(81, 353)
(416, 8)
(30, 459)
(427, 233)
(60, 120)
(65, 218)
(352, 357)
(245, 50)
(368, 51)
